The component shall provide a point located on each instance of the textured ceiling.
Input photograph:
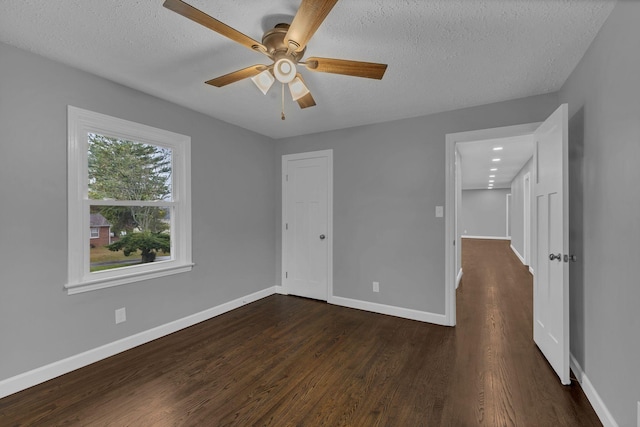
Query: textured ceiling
(442, 54)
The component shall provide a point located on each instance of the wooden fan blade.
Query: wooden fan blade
(310, 15)
(307, 100)
(202, 18)
(237, 76)
(370, 70)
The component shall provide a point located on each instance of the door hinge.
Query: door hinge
(286, 275)
(286, 226)
(287, 177)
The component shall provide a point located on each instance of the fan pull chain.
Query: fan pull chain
(283, 117)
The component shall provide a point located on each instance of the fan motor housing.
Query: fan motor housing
(273, 40)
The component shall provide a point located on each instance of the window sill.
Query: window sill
(108, 282)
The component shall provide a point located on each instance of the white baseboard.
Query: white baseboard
(407, 313)
(487, 237)
(515, 251)
(521, 258)
(458, 278)
(603, 413)
(53, 370)
(61, 367)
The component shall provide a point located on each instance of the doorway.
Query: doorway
(452, 201)
(550, 216)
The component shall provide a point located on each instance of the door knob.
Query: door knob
(322, 236)
(552, 257)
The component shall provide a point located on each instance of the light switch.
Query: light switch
(439, 211)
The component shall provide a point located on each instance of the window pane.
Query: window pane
(129, 236)
(128, 170)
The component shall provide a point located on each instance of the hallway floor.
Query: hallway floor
(508, 380)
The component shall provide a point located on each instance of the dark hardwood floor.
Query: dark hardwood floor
(287, 361)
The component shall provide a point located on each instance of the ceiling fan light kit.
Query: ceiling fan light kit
(264, 81)
(297, 88)
(284, 70)
(285, 45)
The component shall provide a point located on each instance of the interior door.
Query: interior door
(306, 224)
(551, 278)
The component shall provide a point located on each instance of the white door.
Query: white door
(306, 227)
(551, 278)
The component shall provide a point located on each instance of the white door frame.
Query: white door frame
(508, 216)
(284, 258)
(526, 214)
(451, 240)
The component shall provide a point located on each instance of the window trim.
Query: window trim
(80, 122)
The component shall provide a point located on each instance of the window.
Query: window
(133, 180)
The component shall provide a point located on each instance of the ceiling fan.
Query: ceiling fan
(285, 46)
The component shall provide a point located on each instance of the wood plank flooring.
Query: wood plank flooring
(287, 361)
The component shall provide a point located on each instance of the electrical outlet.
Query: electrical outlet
(121, 315)
(376, 286)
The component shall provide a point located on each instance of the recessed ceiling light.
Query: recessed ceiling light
(491, 180)
(493, 169)
(489, 188)
(492, 176)
(497, 148)
(495, 160)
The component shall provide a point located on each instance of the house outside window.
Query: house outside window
(129, 197)
(100, 232)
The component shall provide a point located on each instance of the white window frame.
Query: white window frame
(97, 234)
(80, 124)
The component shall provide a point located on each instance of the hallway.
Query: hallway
(508, 378)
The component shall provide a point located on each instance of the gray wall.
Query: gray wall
(233, 190)
(484, 212)
(517, 207)
(388, 179)
(603, 94)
